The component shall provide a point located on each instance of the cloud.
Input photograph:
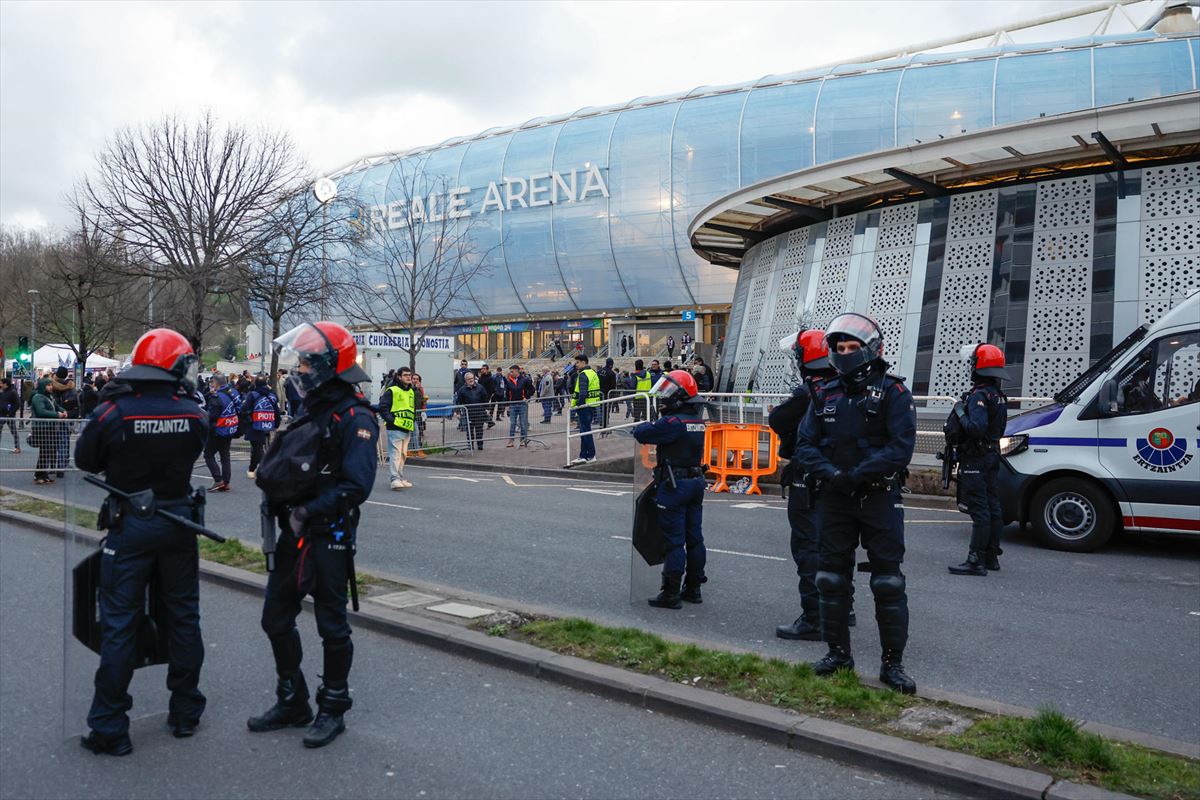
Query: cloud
(358, 78)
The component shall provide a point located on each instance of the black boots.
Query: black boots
(837, 658)
(801, 629)
(291, 709)
(992, 560)
(972, 566)
(104, 746)
(670, 596)
(691, 589)
(331, 705)
(892, 674)
(182, 727)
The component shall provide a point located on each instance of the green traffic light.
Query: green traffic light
(23, 356)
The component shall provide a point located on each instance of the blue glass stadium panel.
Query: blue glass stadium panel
(492, 290)
(777, 131)
(1043, 84)
(1140, 71)
(856, 115)
(528, 242)
(1195, 45)
(639, 172)
(581, 236)
(704, 166)
(944, 100)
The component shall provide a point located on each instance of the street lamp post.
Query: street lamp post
(325, 191)
(33, 298)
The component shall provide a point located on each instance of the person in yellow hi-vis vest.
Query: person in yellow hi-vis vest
(585, 399)
(397, 406)
(642, 384)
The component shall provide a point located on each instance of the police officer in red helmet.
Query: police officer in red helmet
(678, 434)
(146, 434)
(314, 477)
(981, 416)
(810, 356)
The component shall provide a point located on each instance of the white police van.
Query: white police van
(1117, 447)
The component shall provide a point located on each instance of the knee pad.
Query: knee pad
(832, 583)
(888, 588)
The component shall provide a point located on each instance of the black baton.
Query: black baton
(175, 518)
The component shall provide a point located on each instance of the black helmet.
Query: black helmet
(856, 366)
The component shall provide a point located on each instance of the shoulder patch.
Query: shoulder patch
(363, 433)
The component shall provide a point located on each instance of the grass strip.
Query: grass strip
(1050, 742)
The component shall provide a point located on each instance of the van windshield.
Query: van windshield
(1073, 389)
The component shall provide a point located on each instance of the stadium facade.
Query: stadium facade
(594, 218)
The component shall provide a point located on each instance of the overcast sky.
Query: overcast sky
(352, 79)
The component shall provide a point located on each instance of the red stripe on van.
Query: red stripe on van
(1169, 523)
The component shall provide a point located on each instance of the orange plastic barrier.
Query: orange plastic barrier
(732, 451)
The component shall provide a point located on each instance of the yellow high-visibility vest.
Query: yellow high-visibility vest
(594, 395)
(403, 407)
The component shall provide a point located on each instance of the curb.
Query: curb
(789, 729)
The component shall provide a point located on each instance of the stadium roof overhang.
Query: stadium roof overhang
(1124, 136)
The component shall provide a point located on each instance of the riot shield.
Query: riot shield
(647, 546)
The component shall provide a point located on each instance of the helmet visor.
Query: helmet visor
(313, 351)
(665, 388)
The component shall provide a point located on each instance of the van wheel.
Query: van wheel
(1072, 514)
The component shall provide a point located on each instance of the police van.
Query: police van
(1117, 447)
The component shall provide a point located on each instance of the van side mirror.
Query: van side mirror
(1106, 401)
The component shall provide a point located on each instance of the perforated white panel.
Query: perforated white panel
(747, 354)
(775, 375)
(1070, 282)
(839, 238)
(1169, 267)
(1058, 326)
(963, 304)
(1181, 202)
(1171, 177)
(834, 270)
(890, 274)
(1176, 235)
(897, 236)
(1051, 373)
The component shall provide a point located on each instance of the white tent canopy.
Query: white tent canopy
(52, 356)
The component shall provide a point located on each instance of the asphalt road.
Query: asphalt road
(1111, 637)
(425, 724)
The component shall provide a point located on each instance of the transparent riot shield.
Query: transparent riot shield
(83, 553)
(648, 546)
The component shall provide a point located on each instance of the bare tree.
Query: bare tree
(188, 202)
(413, 267)
(81, 292)
(287, 274)
(22, 262)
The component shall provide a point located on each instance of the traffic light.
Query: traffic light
(23, 354)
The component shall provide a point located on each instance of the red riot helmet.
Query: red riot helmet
(808, 348)
(675, 388)
(327, 349)
(854, 367)
(986, 360)
(163, 355)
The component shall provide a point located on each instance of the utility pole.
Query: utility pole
(33, 298)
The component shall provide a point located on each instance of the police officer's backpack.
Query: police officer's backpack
(292, 467)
